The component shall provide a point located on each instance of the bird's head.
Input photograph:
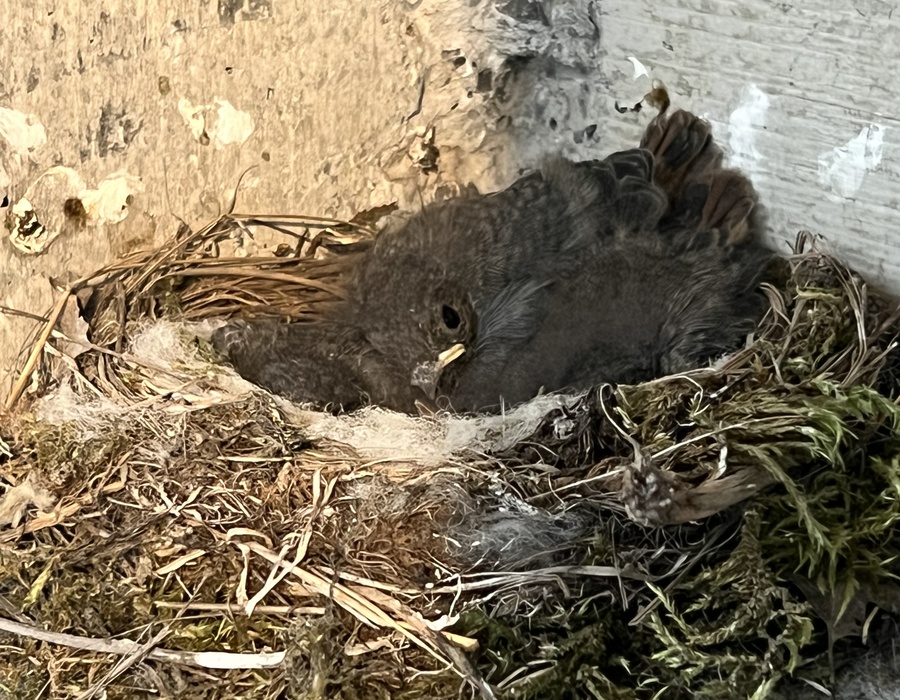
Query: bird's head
(444, 342)
(415, 315)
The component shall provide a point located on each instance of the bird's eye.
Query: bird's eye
(450, 316)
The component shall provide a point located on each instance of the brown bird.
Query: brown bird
(620, 270)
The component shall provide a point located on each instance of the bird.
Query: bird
(620, 270)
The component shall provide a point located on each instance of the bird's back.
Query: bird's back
(665, 282)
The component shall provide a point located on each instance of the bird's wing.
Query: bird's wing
(305, 362)
(605, 199)
(509, 318)
(713, 232)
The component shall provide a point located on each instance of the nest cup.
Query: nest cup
(168, 527)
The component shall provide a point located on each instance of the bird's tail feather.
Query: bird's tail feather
(719, 205)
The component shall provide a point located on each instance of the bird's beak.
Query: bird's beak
(454, 352)
(427, 374)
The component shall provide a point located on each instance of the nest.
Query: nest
(171, 531)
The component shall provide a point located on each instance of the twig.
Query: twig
(234, 609)
(36, 351)
(135, 657)
(199, 659)
(22, 314)
(522, 578)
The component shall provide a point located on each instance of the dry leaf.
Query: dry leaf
(75, 328)
(15, 501)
